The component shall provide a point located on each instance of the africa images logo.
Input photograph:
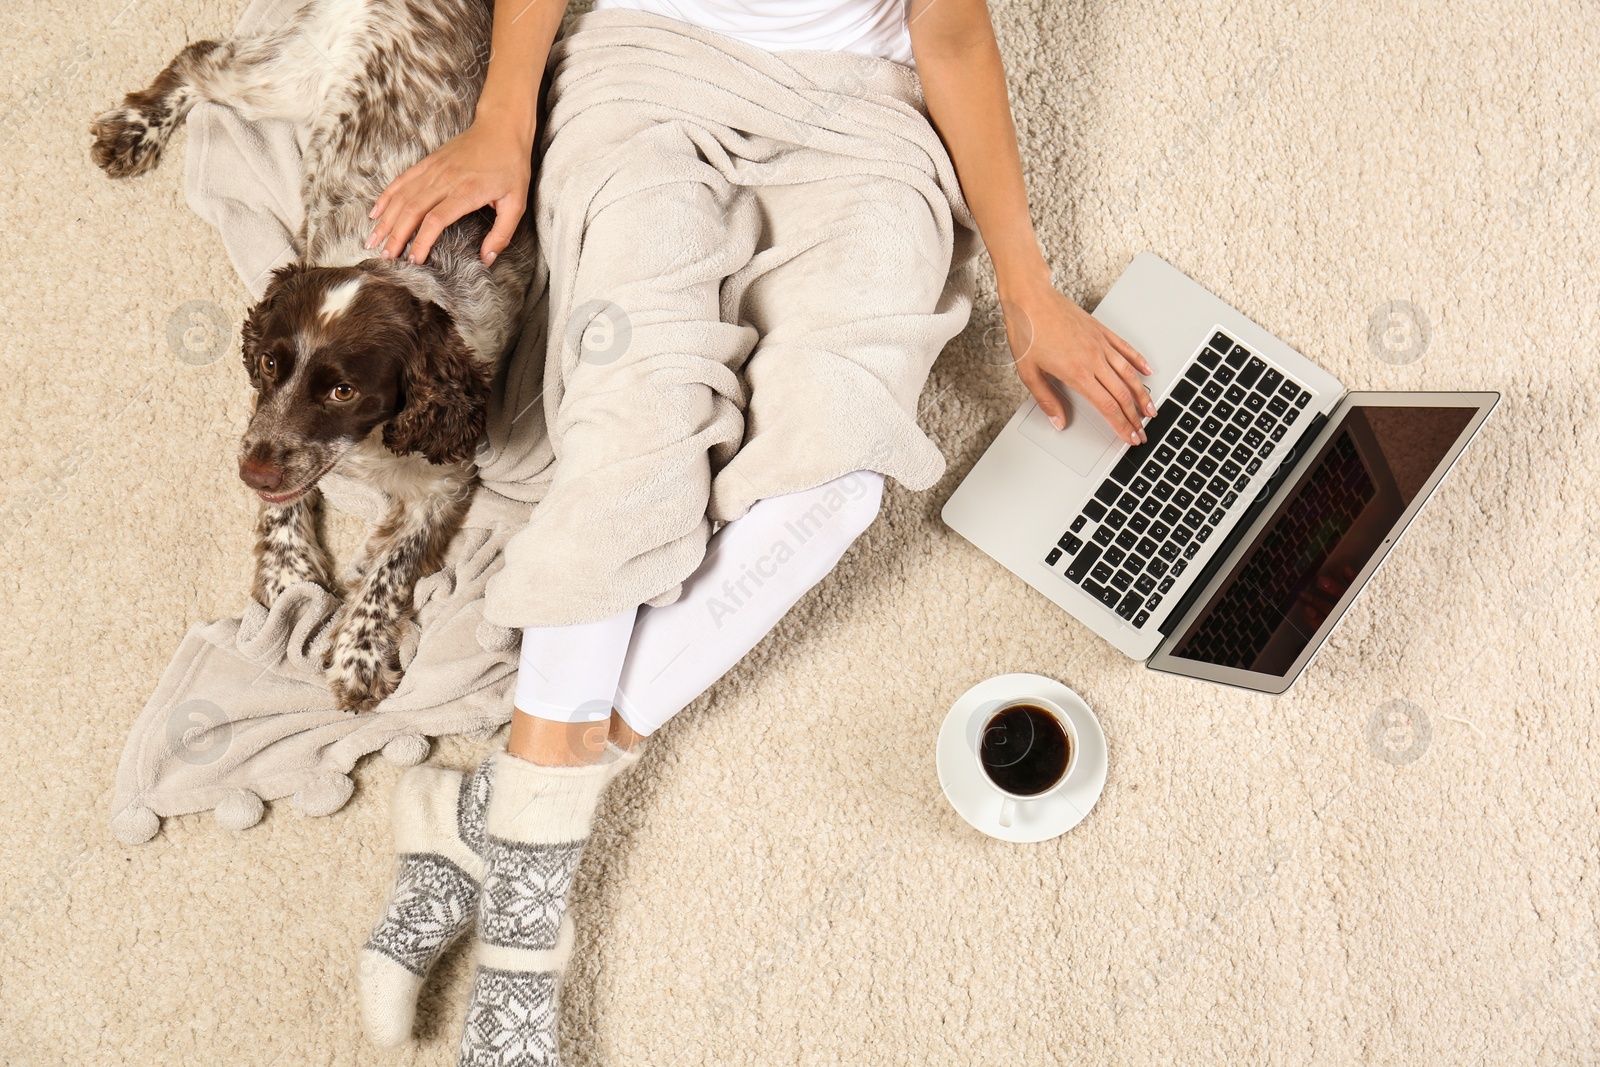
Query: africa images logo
(1399, 732)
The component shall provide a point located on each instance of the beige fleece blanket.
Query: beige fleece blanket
(804, 192)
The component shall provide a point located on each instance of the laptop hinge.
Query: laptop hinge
(1268, 494)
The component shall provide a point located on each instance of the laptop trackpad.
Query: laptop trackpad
(1081, 445)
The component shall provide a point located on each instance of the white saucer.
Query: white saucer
(969, 791)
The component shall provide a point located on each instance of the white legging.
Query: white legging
(651, 663)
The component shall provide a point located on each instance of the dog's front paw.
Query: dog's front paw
(126, 142)
(362, 665)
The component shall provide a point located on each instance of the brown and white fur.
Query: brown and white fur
(377, 369)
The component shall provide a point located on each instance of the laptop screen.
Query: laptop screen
(1325, 530)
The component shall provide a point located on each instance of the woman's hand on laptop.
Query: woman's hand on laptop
(964, 86)
(486, 165)
(1054, 340)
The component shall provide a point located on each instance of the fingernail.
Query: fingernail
(373, 213)
(411, 258)
(372, 238)
(1058, 422)
(386, 254)
(488, 260)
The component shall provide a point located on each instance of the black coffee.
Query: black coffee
(1024, 750)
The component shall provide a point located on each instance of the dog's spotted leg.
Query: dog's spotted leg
(363, 660)
(261, 77)
(128, 140)
(287, 549)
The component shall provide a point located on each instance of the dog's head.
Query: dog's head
(336, 352)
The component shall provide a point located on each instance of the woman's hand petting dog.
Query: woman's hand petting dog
(487, 165)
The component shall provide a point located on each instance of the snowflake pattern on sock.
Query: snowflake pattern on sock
(525, 891)
(511, 1020)
(431, 903)
(472, 804)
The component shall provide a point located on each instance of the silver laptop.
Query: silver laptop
(1229, 544)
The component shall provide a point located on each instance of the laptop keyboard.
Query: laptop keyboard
(1165, 498)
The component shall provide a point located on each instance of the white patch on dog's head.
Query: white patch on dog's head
(338, 299)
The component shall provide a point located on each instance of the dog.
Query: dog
(377, 369)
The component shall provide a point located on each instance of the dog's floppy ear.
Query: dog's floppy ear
(445, 394)
(255, 322)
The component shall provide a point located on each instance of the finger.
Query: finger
(408, 216)
(1131, 428)
(384, 199)
(397, 189)
(1109, 409)
(433, 223)
(385, 204)
(1128, 351)
(381, 228)
(1044, 394)
(507, 213)
(394, 200)
(1130, 377)
(1113, 384)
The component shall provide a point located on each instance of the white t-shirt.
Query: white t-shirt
(871, 27)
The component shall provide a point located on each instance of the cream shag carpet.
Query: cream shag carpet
(1264, 880)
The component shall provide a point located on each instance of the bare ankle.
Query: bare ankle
(624, 736)
(556, 744)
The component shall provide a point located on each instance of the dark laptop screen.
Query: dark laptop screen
(1324, 531)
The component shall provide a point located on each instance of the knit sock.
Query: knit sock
(437, 818)
(537, 824)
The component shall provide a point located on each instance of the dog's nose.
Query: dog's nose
(260, 476)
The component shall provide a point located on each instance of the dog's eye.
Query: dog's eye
(269, 366)
(342, 392)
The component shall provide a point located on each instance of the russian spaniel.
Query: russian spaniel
(377, 369)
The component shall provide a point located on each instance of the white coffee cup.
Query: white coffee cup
(1009, 801)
